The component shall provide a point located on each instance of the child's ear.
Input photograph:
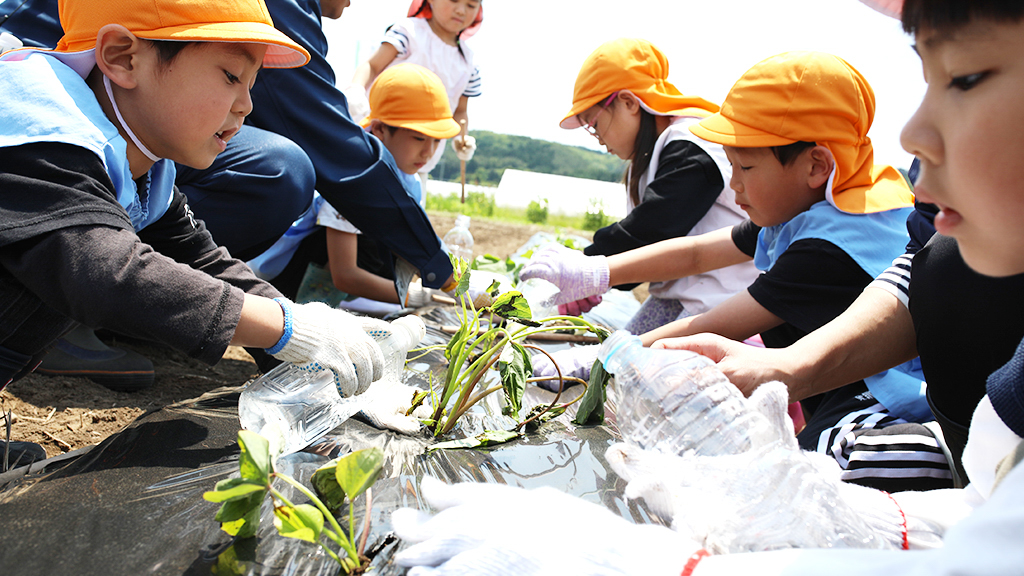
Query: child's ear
(820, 164)
(377, 129)
(117, 52)
(630, 101)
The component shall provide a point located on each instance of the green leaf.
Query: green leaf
(486, 438)
(237, 509)
(554, 412)
(254, 462)
(232, 489)
(463, 285)
(325, 482)
(228, 564)
(302, 522)
(591, 409)
(359, 470)
(456, 340)
(514, 367)
(512, 305)
(244, 527)
(493, 289)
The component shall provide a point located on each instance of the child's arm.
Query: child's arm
(342, 251)
(738, 318)
(368, 71)
(462, 111)
(675, 258)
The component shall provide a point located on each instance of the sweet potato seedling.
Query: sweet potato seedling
(344, 478)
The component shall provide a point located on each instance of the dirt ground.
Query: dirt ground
(64, 414)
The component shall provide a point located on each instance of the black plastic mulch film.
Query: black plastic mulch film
(133, 504)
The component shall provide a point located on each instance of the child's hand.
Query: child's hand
(464, 147)
(578, 307)
(327, 338)
(575, 362)
(576, 274)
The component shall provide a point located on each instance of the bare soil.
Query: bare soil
(64, 414)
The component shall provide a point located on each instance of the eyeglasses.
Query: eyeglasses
(592, 128)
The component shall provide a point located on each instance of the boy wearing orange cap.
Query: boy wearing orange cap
(97, 233)
(824, 221)
(409, 113)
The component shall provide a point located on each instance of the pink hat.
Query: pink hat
(420, 9)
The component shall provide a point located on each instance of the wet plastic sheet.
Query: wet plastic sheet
(133, 505)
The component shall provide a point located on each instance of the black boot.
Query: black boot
(15, 454)
(80, 353)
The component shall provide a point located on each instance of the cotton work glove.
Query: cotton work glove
(317, 337)
(576, 274)
(495, 529)
(578, 307)
(358, 103)
(574, 362)
(389, 400)
(417, 296)
(464, 147)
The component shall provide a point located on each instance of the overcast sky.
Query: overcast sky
(530, 51)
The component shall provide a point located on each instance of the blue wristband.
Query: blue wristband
(286, 307)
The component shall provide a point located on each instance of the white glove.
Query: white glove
(464, 150)
(576, 274)
(9, 42)
(575, 362)
(494, 529)
(417, 296)
(388, 403)
(358, 103)
(320, 337)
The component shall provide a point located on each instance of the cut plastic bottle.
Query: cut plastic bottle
(293, 408)
(675, 400)
(459, 240)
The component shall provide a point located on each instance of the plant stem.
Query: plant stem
(345, 542)
(366, 522)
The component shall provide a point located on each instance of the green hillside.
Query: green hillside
(496, 152)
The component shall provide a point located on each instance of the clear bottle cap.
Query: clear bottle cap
(410, 328)
(462, 221)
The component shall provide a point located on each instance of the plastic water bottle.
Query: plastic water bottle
(675, 400)
(459, 240)
(293, 408)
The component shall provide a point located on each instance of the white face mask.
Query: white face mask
(135, 139)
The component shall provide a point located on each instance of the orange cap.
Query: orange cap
(182, 20)
(410, 96)
(812, 97)
(636, 66)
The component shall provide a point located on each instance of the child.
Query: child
(676, 183)
(433, 36)
(97, 234)
(967, 113)
(824, 221)
(409, 113)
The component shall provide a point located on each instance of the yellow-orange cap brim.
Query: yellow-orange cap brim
(722, 130)
(440, 129)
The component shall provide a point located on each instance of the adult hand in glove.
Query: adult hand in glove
(317, 336)
(493, 529)
(358, 103)
(576, 274)
(464, 147)
(578, 307)
(574, 362)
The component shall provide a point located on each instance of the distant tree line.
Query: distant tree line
(496, 152)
